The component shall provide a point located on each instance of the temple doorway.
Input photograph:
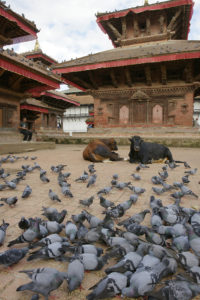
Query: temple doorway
(124, 115)
(157, 114)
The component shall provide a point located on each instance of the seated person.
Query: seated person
(23, 128)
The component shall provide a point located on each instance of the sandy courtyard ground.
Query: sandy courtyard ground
(71, 155)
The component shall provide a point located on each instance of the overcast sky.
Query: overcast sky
(68, 28)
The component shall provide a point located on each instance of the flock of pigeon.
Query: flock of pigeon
(158, 261)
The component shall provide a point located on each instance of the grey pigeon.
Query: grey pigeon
(12, 185)
(91, 169)
(3, 228)
(83, 177)
(194, 240)
(115, 176)
(186, 165)
(24, 223)
(53, 215)
(54, 250)
(12, 256)
(28, 236)
(158, 191)
(75, 274)
(87, 202)
(53, 226)
(92, 262)
(92, 220)
(44, 178)
(66, 191)
(78, 218)
(71, 230)
(122, 185)
(10, 200)
(136, 176)
(191, 172)
(163, 175)
(185, 179)
(195, 273)
(44, 281)
(109, 286)
(136, 218)
(27, 191)
(105, 203)
(186, 191)
(53, 196)
(156, 180)
(92, 180)
(106, 190)
(133, 198)
(50, 239)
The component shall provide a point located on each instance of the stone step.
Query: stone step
(13, 148)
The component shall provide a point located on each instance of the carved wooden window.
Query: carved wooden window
(124, 115)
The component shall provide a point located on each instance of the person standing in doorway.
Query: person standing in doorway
(23, 128)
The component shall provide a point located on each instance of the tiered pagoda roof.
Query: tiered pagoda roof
(15, 28)
(181, 11)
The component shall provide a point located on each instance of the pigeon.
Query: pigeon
(33, 157)
(115, 176)
(186, 165)
(92, 180)
(78, 218)
(44, 179)
(122, 185)
(24, 223)
(71, 230)
(91, 262)
(87, 202)
(28, 236)
(12, 256)
(136, 218)
(54, 250)
(53, 215)
(194, 240)
(27, 191)
(12, 185)
(50, 239)
(106, 190)
(88, 248)
(133, 198)
(66, 191)
(172, 165)
(53, 226)
(108, 287)
(129, 262)
(92, 220)
(191, 172)
(83, 177)
(186, 191)
(158, 191)
(44, 280)
(82, 231)
(10, 200)
(53, 196)
(3, 228)
(163, 175)
(115, 212)
(75, 274)
(136, 176)
(185, 179)
(91, 169)
(105, 203)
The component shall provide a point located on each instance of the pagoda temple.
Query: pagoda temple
(151, 76)
(20, 77)
(45, 111)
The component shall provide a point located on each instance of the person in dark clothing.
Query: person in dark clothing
(23, 128)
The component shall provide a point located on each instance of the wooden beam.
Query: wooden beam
(114, 30)
(92, 79)
(2, 72)
(113, 78)
(128, 77)
(148, 26)
(161, 20)
(189, 72)
(12, 93)
(173, 20)
(16, 83)
(124, 28)
(148, 75)
(81, 82)
(163, 74)
(135, 27)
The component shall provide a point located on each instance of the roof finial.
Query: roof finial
(37, 45)
(146, 2)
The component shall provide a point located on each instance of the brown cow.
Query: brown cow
(100, 149)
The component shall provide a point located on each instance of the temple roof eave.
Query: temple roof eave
(156, 52)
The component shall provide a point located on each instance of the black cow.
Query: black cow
(146, 152)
